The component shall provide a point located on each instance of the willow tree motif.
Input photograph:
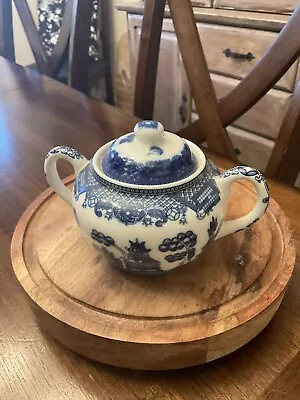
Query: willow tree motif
(213, 230)
(183, 244)
(107, 241)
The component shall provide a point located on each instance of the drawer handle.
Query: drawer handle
(239, 56)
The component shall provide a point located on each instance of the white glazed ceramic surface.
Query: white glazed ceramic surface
(152, 227)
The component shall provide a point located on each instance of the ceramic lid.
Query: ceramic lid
(149, 156)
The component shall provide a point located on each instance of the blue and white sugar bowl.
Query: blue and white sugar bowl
(150, 200)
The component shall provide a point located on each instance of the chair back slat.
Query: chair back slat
(74, 36)
(148, 59)
(199, 78)
(32, 36)
(79, 42)
(6, 31)
(57, 56)
(284, 163)
(105, 35)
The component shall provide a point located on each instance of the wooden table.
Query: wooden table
(37, 113)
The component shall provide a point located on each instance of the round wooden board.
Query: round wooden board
(197, 313)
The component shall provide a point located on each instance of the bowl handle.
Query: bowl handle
(224, 182)
(50, 167)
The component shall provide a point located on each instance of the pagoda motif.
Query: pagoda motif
(139, 259)
(136, 258)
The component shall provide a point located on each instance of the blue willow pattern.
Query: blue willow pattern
(130, 207)
(183, 241)
(135, 258)
(249, 172)
(149, 124)
(67, 151)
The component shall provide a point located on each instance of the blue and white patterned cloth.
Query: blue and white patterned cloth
(50, 14)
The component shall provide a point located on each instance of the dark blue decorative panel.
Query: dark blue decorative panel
(132, 206)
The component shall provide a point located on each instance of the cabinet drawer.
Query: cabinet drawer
(202, 3)
(283, 6)
(298, 75)
(217, 39)
(265, 117)
(251, 149)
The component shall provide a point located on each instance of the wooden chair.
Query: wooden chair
(69, 61)
(214, 115)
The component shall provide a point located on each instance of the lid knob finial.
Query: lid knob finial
(149, 131)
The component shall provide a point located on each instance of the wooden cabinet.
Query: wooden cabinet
(282, 6)
(202, 3)
(233, 42)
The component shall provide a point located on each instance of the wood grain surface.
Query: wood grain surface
(216, 39)
(33, 37)
(283, 6)
(284, 51)
(276, 61)
(198, 313)
(260, 20)
(7, 41)
(123, 76)
(35, 115)
(146, 70)
(200, 82)
(284, 163)
(202, 3)
(172, 91)
(251, 149)
(265, 117)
